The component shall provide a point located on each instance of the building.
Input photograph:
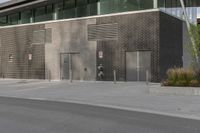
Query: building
(92, 39)
(198, 21)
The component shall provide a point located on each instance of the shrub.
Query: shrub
(172, 76)
(181, 77)
(197, 74)
(194, 83)
(167, 83)
(181, 83)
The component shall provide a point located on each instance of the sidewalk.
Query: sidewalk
(129, 96)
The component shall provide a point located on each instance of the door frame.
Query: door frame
(70, 60)
(137, 52)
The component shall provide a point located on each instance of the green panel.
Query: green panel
(69, 10)
(13, 19)
(93, 9)
(26, 16)
(49, 12)
(40, 14)
(113, 6)
(146, 4)
(161, 3)
(82, 8)
(58, 8)
(3, 21)
(129, 5)
(108, 6)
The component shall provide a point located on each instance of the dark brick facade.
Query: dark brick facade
(143, 31)
(171, 43)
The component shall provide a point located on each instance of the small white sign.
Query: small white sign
(30, 56)
(100, 54)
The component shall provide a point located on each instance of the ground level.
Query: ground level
(129, 96)
(30, 116)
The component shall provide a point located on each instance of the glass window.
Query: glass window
(3, 21)
(129, 5)
(161, 3)
(112, 6)
(49, 12)
(40, 14)
(58, 8)
(93, 9)
(106, 6)
(26, 16)
(13, 19)
(81, 8)
(69, 9)
(146, 4)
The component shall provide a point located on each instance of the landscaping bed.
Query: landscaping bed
(179, 77)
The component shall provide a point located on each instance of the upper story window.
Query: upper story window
(69, 10)
(39, 14)
(58, 9)
(13, 19)
(3, 20)
(79, 8)
(26, 16)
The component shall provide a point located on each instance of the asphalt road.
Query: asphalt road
(34, 116)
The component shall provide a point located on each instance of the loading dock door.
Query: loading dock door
(70, 66)
(137, 64)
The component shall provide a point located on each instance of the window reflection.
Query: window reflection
(80, 8)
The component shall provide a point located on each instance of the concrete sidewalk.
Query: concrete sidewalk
(129, 96)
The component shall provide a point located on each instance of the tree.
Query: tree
(195, 49)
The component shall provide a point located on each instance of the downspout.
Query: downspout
(189, 28)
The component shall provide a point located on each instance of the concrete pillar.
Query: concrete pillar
(155, 3)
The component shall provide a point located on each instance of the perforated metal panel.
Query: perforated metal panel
(18, 42)
(103, 32)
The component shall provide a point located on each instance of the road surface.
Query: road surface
(38, 116)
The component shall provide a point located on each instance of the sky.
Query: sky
(3, 1)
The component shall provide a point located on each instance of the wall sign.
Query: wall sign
(100, 54)
(30, 56)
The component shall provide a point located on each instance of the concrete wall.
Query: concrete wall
(69, 37)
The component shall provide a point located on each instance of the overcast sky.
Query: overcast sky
(3, 1)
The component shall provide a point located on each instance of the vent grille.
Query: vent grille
(39, 37)
(103, 32)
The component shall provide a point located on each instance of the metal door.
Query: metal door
(138, 64)
(70, 66)
(65, 66)
(131, 66)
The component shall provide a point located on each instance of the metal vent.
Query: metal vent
(48, 38)
(39, 37)
(103, 32)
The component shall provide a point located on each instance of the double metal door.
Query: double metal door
(70, 66)
(138, 66)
